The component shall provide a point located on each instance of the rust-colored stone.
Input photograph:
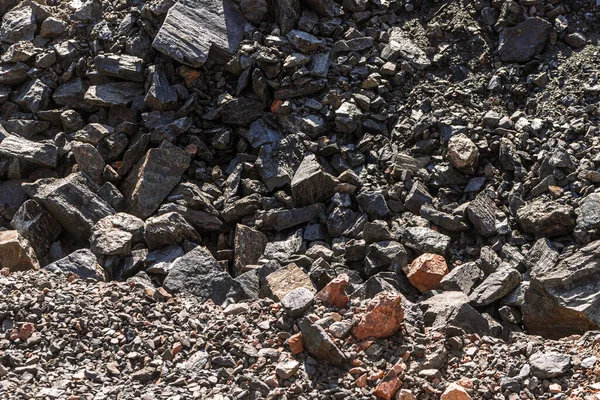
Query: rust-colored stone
(16, 253)
(383, 317)
(426, 271)
(390, 384)
(334, 293)
(295, 343)
(361, 381)
(405, 394)
(455, 392)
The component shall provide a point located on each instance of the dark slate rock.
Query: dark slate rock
(198, 274)
(548, 365)
(193, 28)
(450, 312)
(425, 240)
(319, 344)
(36, 225)
(71, 201)
(546, 218)
(41, 153)
(496, 286)
(311, 184)
(524, 41)
(463, 278)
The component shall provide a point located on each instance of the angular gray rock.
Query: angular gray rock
(401, 46)
(34, 96)
(36, 225)
(462, 278)
(562, 296)
(548, 365)
(121, 66)
(319, 344)
(82, 263)
(89, 160)
(192, 28)
(71, 201)
(249, 245)
(18, 24)
(425, 240)
(41, 153)
(450, 312)
(168, 229)
(153, 178)
(524, 41)
(297, 301)
(115, 234)
(113, 94)
(496, 286)
(198, 274)
(482, 213)
(311, 184)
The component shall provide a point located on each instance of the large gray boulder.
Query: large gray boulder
(82, 263)
(522, 42)
(198, 274)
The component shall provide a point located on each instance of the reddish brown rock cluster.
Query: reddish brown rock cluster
(383, 317)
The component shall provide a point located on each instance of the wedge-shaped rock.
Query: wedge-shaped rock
(113, 94)
(153, 178)
(319, 344)
(82, 263)
(563, 297)
(16, 253)
(198, 274)
(522, 42)
(193, 28)
(71, 201)
(311, 184)
(496, 286)
(120, 66)
(35, 152)
(451, 312)
(36, 225)
(249, 246)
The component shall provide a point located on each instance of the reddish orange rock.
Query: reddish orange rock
(390, 384)
(383, 317)
(361, 381)
(426, 271)
(334, 294)
(455, 392)
(295, 343)
(26, 331)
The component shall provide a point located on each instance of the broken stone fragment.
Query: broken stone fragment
(121, 66)
(82, 263)
(71, 202)
(546, 218)
(34, 96)
(548, 365)
(249, 245)
(193, 28)
(198, 274)
(334, 293)
(36, 225)
(383, 317)
(391, 382)
(524, 41)
(463, 277)
(89, 160)
(13, 74)
(401, 46)
(311, 184)
(167, 230)
(41, 153)
(18, 24)
(279, 283)
(319, 344)
(455, 392)
(496, 286)
(153, 178)
(482, 213)
(451, 313)
(426, 271)
(297, 301)
(426, 240)
(16, 253)
(115, 234)
(113, 94)
(462, 152)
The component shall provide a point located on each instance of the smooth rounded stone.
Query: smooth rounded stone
(547, 365)
(427, 271)
(462, 152)
(383, 317)
(297, 301)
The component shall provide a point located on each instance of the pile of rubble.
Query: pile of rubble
(441, 153)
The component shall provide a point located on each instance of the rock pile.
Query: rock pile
(433, 162)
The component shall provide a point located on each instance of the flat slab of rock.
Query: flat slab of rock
(198, 274)
(153, 178)
(71, 202)
(40, 153)
(549, 364)
(195, 27)
(522, 42)
(496, 286)
(120, 66)
(451, 312)
(401, 46)
(113, 94)
(311, 184)
(249, 245)
(278, 284)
